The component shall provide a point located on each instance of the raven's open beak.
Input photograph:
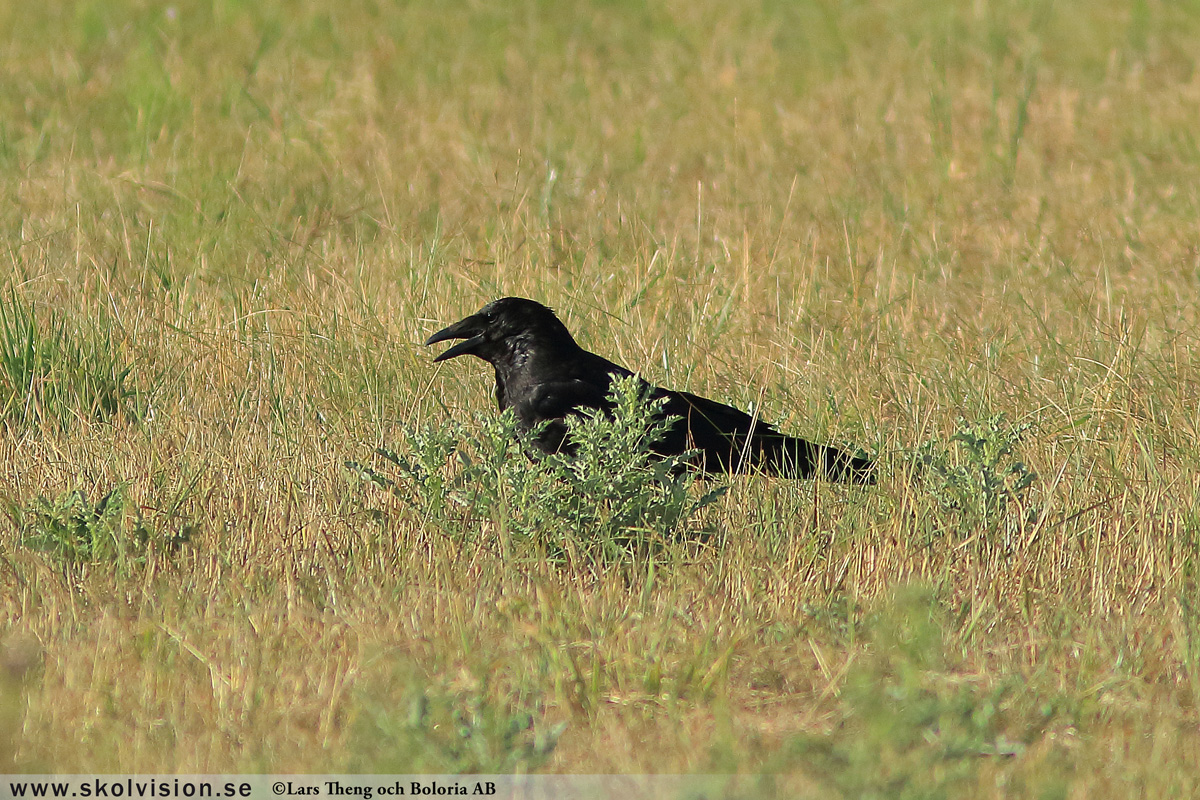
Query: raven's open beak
(467, 329)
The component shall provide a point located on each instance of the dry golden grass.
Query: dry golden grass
(871, 220)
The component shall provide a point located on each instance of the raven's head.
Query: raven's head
(492, 333)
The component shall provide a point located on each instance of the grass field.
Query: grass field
(229, 225)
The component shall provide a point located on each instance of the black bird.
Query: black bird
(543, 375)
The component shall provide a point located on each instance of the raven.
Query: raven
(543, 375)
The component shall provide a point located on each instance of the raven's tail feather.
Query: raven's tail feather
(791, 457)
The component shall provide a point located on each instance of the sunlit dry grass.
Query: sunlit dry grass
(870, 220)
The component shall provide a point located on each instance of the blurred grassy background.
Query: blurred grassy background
(229, 225)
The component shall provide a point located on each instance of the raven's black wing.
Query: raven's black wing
(553, 387)
(551, 402)
(731, 440)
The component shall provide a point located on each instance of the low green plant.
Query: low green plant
(913, 723)
(429, 728)
(609, 496)
(74, 530)
(51, 372)
(976, 479)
